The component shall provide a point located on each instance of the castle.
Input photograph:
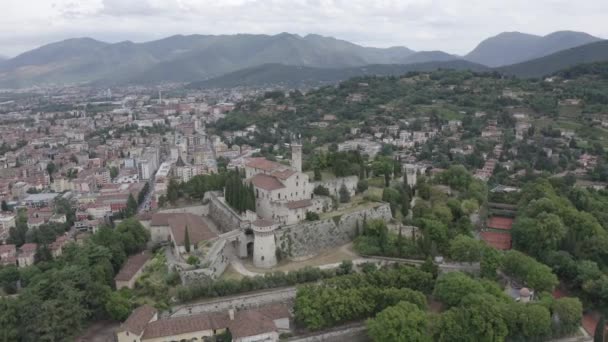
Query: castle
(283, 193)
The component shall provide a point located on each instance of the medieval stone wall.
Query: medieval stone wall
(306, 239)
(222, 215)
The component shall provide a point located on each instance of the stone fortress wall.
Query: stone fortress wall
(305, 239)
(334, 185)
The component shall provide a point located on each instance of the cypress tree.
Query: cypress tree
(599, 330)
(187, 240)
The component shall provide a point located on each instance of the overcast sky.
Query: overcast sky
(455, 26)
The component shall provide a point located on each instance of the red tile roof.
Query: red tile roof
(299, 204)
(263, 164)
(500, 241)
(246, 323)
(138, 320)
(257, 321)
(285, 174)
(187, 324)
(8, 249)
(500, 222)
(266, 182)
(28, 248)
(197, 228)
(132, 266)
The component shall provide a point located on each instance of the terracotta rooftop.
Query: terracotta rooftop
(284, 174)
(132, 266)
(246, 323)
(8, 249)
(186, 324)
(264, 164)
(266, 182)
(28, 248)
(299, 204)
(500, 241)
(197, 228)
(137, 321)
(500, 222)
(257, 321)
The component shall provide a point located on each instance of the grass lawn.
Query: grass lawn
(231, 274)
(332, 256)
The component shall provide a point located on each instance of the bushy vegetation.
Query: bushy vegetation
(60, 296)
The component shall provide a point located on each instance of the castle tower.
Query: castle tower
(296, 156)
(264, 246)
(411, 174)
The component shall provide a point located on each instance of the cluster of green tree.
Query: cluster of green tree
(239, 195)
(360, 295)
(399, 197)
(342, 164)
(565, 227)
(375, 239)
(153, 287)
(269, 280)
(58, 297)
(195, 188)
(479, 310)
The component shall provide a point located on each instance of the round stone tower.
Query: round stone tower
(264, 246)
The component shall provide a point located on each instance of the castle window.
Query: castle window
(297, 184)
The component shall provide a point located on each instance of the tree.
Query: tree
(131, 208)
(600, 330)
(321, 190)
(187, 240)
(538, 235)
(362, 185)
(392, 197)
(526, 269)
(317, 174)
(490, 262)
(9, 320)
(117, 306)
(113, 172)
(567, 312)
(9, 276)
(312, 216)
(478, 319)
(51, 168)
(404, 322)
(452, 287)
(172, 191)
(344, 194)
(465, 248)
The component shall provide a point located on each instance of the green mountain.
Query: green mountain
(429, 56)
(590, 53)
(299, 76)
(515, 47)
(183, 58)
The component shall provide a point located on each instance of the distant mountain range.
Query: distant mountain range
(297, 76)
(204, 57)
(515, 47)
(590, 53)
